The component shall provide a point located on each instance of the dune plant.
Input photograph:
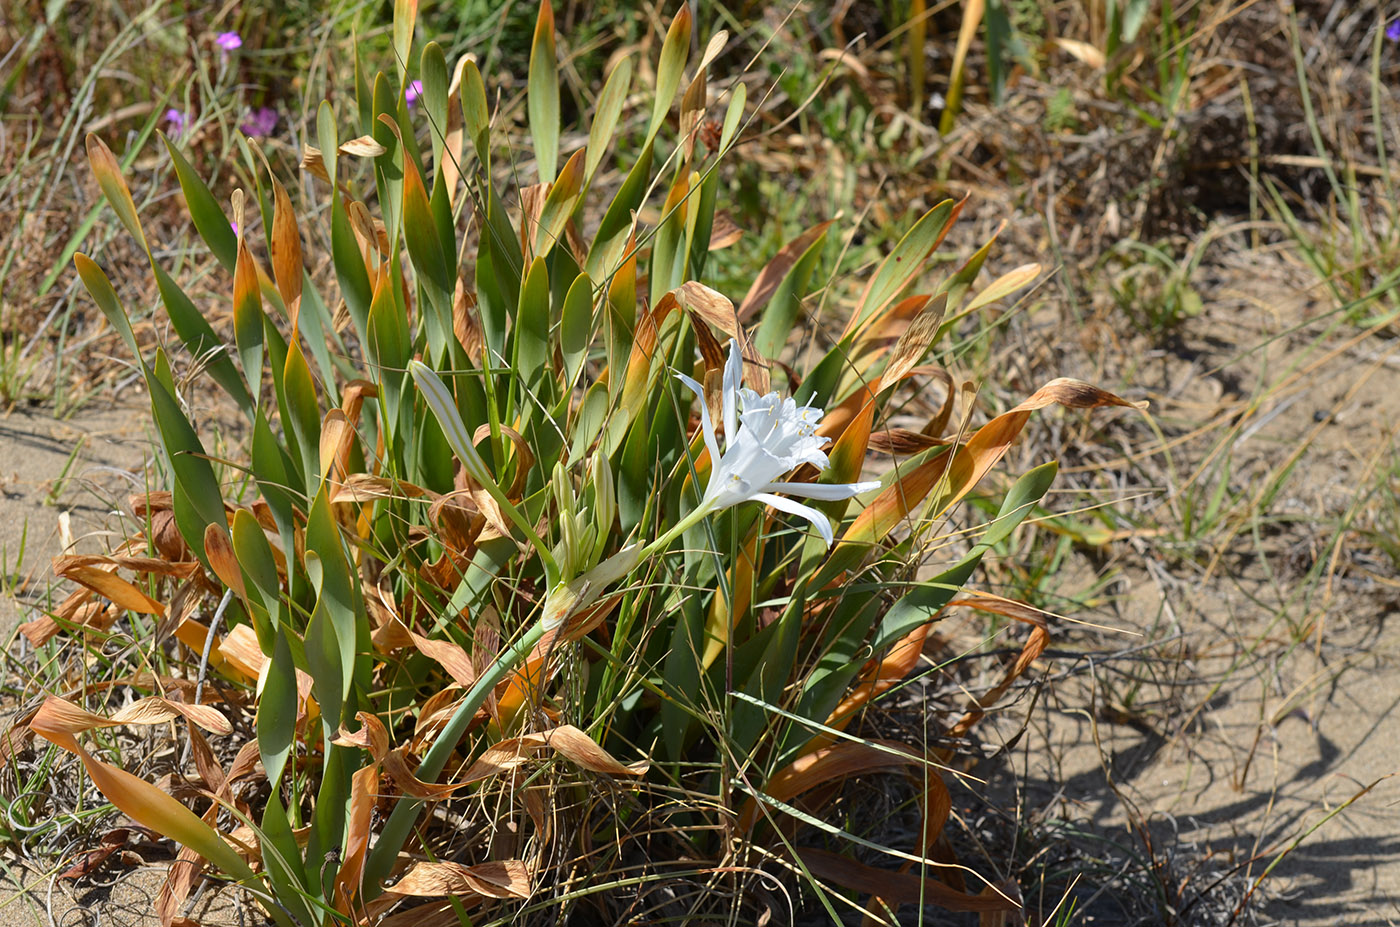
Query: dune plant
(515, 519)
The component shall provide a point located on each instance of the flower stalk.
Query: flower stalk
(766, 437)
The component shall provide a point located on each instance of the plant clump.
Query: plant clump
(509, 608)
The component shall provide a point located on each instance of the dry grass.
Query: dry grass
(1248, 537)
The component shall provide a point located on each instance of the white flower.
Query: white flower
(765, 438)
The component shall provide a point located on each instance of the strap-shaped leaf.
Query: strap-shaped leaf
(198, 502)
(200, 338)
(542, 94)
(576, 329)
(605, 116)
(209, 219)
(444, 408)
(389, 348)
(904, 263)
(248, 319)
(350, 270)
(926, 599)
(304, 432)
(109, 177)
(421, 232)
(779, 289)
(105, 295)
(668, 250)
(606, 252)
(559, 205)
(433, 71)
(405, 18)
(141, 801)
(670, 69)
(476, 118)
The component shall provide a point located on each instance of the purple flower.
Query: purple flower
(1392, 31)
(412, 92)
(176, 121)
(233, 225)
(261, 121)
(228, 41)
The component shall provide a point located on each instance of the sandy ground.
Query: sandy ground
(1262, 706)
(1268, 697)
(38, 485)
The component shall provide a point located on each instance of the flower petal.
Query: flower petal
(733, 375)
(818, 520)
(711, 442)
(824, 491)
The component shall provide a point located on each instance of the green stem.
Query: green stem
(405, 814)
(681, 527)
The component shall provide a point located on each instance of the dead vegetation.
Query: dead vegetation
(1246, 533)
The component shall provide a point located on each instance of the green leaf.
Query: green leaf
(109, 178)
(425, 244)
(209, 219)
(542, 96)
(105, 295)
(273, 469)
(835, 667)
(769, 678)
(277, 711)
(924, 600)
(532, 349)
(702, 225)
(200, 339)
(198, 502)
(281, 857)
(405, 17)
(588, 423)
(476, 118)
(305, 424)
(904, 263)
(782, 305)
(605, 253)
(605, 116)
(259, 566)
(732, 116)
(349, 264)
(1000, 35)
(559, 205)
(389, 349)
(338, 593)
(668, 249)
(681, 676)
(576, 329)
(248, 321)
(960, 282)
(433, 71)
(500, 267)
(444, 408)
(388, 167)
(670, 69)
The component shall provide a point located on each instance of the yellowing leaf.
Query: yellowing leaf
(141, 801)
(363, 147)
(503, 879)
(286, 252)
(847, 758)
(109, 178)
(1082, 51)
(218, 548)
(113, 587)
(1004, 286)
(576, 746)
